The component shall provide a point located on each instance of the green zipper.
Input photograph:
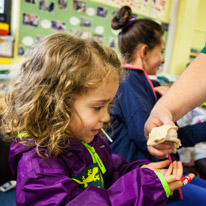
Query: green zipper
(95, 157)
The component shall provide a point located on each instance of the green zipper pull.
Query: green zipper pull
(95, 157)
(100, 163)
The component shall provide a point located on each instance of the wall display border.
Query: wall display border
(83, 18)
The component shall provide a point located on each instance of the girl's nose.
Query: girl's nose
(105, 115)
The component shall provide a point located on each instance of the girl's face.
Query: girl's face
(90, 111)
(154, 58)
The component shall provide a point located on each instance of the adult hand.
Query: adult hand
(161, 150)
(161, 89)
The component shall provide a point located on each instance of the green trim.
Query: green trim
(90, 151)
(164, 183)
(95, 157)
(22, 134)
(143, 166)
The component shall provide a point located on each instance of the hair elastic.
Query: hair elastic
(131, 21)
(185, 180)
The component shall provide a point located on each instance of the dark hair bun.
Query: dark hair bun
(121, 18)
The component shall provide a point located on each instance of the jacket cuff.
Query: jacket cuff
(164, 183)
(143, 166)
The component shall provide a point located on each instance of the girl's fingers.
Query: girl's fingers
(169, 170)
(172, 178)
(175, 184)
(179, 169)
(161, 164)
(174, 172)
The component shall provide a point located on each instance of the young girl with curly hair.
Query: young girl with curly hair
(56, 111)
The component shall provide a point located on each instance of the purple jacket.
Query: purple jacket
(49, 181)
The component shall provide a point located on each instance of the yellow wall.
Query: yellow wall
(199, 37)
(187, 14)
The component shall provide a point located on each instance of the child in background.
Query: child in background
(142, 43)
(58, 104)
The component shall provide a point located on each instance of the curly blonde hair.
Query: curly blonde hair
(60, 69)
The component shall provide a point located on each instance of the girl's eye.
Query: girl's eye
(98, 108)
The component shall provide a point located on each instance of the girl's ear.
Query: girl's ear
(143, 51)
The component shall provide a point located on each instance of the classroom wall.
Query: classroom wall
(87, 20)
(187, 15)
(190, 31)
(199, 36)
(190, 34)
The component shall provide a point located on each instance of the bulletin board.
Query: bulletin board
(83, 18)
(157, 9)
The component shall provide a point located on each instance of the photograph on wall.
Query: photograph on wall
(47, 6)
(80, 33)
(62, 4)
(98, 38)
(58, 25)
(39, 38)
(30, 19)
(113, 42)
(79, 6)
(2, 8)
(82, 18)
(85, 22)
(75, 32)
(102, 12)
(31, 1)
(25, 50)
(20, 50)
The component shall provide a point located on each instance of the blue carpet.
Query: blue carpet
(8, 198)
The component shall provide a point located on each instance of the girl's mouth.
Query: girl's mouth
(95, 132)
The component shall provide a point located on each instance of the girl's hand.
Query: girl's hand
(172, 175)
(176, 171)
(160, 166)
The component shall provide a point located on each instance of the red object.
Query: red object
(186, 179)
(4, 32)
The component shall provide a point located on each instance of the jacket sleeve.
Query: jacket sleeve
(139, 187)
(44, 186)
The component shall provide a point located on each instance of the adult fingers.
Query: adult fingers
(166, 145)
(160, 154)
